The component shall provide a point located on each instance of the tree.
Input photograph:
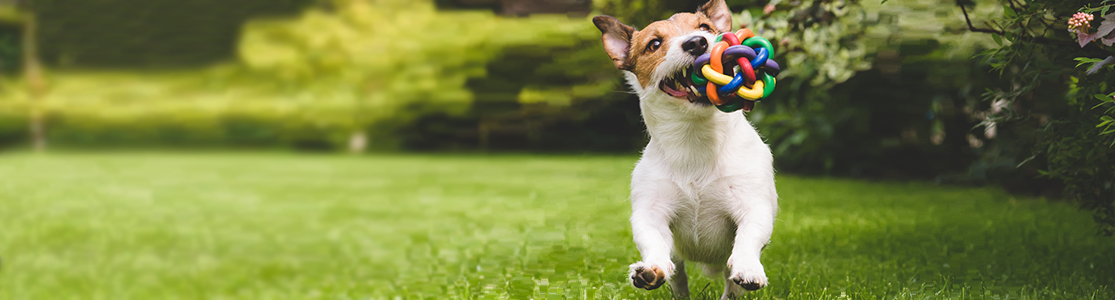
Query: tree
(33, 74)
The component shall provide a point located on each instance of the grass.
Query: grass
(287, 226)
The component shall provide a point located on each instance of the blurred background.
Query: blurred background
(872, 89)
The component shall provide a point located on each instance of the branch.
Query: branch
(1030, 37)
(973, 28)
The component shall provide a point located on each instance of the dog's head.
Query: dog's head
(658, 59)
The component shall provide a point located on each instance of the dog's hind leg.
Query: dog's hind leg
(731, 289)
(680, 282)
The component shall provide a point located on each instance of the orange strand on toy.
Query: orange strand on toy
(744, 34)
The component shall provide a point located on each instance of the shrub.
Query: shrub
(1063, 113)
(337, 70)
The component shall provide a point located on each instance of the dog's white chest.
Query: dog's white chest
(702, 228)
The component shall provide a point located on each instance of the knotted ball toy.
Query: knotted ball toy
(716, 71)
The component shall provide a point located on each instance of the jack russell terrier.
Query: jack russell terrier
(703, 190)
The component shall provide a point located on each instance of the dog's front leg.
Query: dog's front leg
(755, 222)
(650, 226)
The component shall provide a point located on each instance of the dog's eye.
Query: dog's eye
(705, 27)
(654, 44)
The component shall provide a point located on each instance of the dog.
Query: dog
(703, 190)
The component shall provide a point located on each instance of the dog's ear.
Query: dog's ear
(717, 11)
(617, 39)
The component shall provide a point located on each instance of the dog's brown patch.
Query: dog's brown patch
(646, 59)
(640, 56)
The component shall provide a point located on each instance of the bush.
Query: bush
(182, 108)
(338, 70)
(870, 89)
(145, 33)
(472, 74)
(1062, 113)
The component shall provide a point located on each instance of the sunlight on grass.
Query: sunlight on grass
(287, 226)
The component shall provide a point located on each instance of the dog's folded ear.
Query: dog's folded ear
(617, 39)
(717, 11)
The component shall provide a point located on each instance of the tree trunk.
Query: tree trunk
(33, 73)
(483, 129)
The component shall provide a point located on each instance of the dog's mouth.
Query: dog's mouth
(680, 85)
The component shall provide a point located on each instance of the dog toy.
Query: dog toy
(735, 69)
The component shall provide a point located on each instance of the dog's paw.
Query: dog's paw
(748, 276)
(750, 282)
(647, 276)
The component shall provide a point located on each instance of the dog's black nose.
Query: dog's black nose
(695, 45)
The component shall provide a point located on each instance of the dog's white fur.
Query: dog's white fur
(703, 190)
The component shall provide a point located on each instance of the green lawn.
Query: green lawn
(290, 226)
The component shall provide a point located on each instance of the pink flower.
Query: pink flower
(1080, 23)
(768, 9)
(1080, 20)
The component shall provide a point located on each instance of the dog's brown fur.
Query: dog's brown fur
(630, 49)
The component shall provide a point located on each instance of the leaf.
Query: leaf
(1097, 66)
(1024, 161)
(998, 39)
(1083, 39)
(1008, 12)
(1086, 60)
(1106, 26)
(745, 18)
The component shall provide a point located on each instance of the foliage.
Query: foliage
(1062, 108)
(133, 34)
(640, 13)
(216, 106)
(822, 44)
(151, 225)
(867, 87)
(13, 127)
(337, 70)
(396, 65)
(10, 52)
